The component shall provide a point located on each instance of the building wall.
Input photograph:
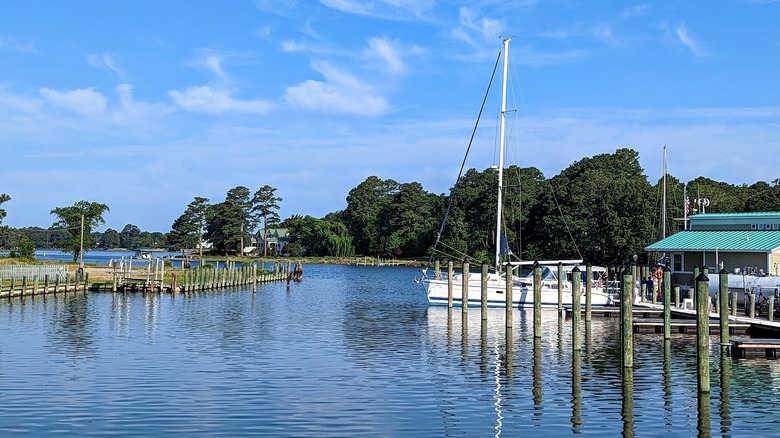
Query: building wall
(774, 264)
(730, 260)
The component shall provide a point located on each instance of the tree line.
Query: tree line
(601, 209)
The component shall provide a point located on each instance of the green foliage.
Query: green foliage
(83, 215)
(187, 230)
(318, 237)
(25, 249)
(264, 206)
(3, 198)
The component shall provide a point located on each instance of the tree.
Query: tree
(319, 237)
(129, 237)
(3, 198)
(227, 222)
(364, 203)
(80, 219)
(110, 239)
(264, 205)
(187, 229)
(407, 222)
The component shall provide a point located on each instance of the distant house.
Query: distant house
(738, 240)
(276, 239)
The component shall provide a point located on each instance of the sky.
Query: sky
(144, 105)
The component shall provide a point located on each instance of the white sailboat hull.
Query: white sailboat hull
(522, 293)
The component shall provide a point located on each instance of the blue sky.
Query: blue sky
(144, 105)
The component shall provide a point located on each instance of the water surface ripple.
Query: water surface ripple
(351, 351)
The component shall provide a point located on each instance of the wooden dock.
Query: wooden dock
(653, 325)
(614, 312)
(749, 347)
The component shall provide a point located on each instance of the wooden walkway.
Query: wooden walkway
(641, 325)
(749, 347)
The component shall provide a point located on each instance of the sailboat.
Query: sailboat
(437, 286)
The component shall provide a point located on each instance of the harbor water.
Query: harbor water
(352, 351)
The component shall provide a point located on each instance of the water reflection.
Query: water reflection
(576, 391)
(71, 330)
(725, 389)
(703, 424)
(627, 411)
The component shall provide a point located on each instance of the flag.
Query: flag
(687, 206)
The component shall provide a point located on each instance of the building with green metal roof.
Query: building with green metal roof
(737, 240)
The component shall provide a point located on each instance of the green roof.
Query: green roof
(764, 241)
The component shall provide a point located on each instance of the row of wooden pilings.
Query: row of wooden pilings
(200, 279)
(701, 300)
(38, 286)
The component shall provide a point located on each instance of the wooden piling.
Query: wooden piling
(560, 290)
(576, 315)
(537, 300)
(436, 269)
(46, 284)
(483, 291)
(677, 297)
(589, 291)
(666, 298)
(703, 332)
(723, 294)
(450, 273)
(750, 301)
(626, 330)
(770, 314)
(508, 294)
(464, 296)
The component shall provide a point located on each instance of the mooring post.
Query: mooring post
(436, 269)
(13, 285)
(67, 282)
(450, 273)
(703, 332)
(677, 297)
(464, 293)
(173, 284)
(696, 272)
(667, 291)
(576, 287)
(626, 318)
(483, 291)
(537, 300)
(560, 289)
(589, 291)
(24, 285)
(750, 296)
(723, 294)
(35, 288)
(254, 278)
(46, 284)
(508, 294)
(770, 308)
(733, 307)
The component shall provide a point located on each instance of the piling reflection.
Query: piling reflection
(703, 424)
(483, 347)
(508, 351)
(537, 378)
(576, 392)
(667, 386)
(725, 390)
(627, 412)
(464, 338)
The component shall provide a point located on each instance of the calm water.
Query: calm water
(349, 351)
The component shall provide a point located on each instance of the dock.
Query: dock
(749, 347)
(653, 325)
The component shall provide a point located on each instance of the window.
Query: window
(677, 262)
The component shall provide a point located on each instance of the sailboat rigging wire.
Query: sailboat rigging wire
(565, 223)
(463, 164)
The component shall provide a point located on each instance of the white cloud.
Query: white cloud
(340, 92)
(85, 101)
(388, 52)
(205, 99)
(689, 42)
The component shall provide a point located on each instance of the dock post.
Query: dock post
(770, 310)
(483, 291)
(677, 297)
(703, 332)
(667, 291)
(13, 285)
(46, 284)
(24, 285)
(464, 290)
(576, 315)
(537, 300)
(750, 301)
(560, 290)
(436, 269)
(450, 273)
(35, 290)
(723, 291)
(626, 317)
(589, 291)
(508, 294)
(254, 278)
(733, 307)
(113, 282)
(173, 284)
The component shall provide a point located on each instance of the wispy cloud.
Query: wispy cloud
(17, 46)
(84, 101)
(205, 99)
(689, 42)
(106, 61)
(386, 9)
(340, 92)
(388, 53)
(476, 30)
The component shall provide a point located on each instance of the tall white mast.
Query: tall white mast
(505, 48)
(663, 206)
